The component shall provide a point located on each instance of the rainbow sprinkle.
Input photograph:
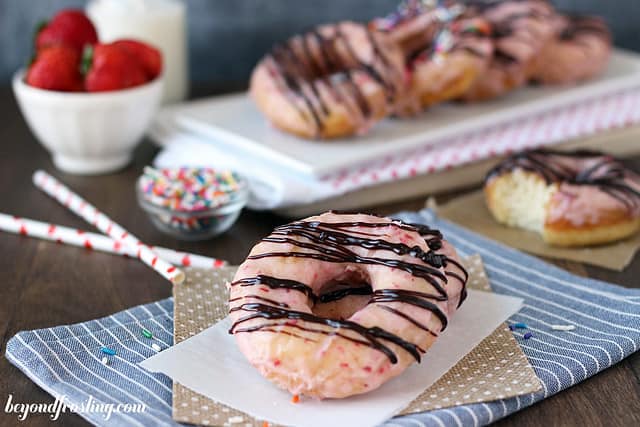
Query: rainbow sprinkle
(518, 325)
(107, 350)
(404, 12)
(189, 189)
(192, 203)
(563, 327)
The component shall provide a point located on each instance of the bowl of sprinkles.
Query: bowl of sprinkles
(192, 203)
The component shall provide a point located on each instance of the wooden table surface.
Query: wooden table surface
(43, 284)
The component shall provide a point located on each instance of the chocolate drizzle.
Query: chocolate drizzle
(578, 25)
(275, 283)
(486, 5)
(330, 245)
(418, 299)
(508, 26)
(464, 38)
(338, 294)
(332, 242)
(606, 174)
(371, 336)
(326, 58)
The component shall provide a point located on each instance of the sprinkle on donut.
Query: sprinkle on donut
(352, 301)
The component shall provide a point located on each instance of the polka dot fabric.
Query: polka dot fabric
(496, 369)
(200, 302)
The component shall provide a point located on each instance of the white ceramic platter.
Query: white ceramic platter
(235, 123)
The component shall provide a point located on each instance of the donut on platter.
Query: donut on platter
(415, 23)
(450, 66)
(520, 29)
(337, 304)
(579, 51)
(446, 48)
(575, 198)
(335, 81)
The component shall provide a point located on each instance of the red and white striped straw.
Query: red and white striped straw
(93, 216)
(74, 237)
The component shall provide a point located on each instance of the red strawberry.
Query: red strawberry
(111, 68)
(69, 27)
(149, 56)
(56, 68)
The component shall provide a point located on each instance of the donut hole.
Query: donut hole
(344, 295)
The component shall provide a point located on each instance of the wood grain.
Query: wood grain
(44, 284)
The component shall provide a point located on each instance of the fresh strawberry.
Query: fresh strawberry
(149, 56)
(69, 27)
(56, 68)
(111, 68)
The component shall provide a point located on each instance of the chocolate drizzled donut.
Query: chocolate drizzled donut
(326, 56)
(331, 242)
(605, 172)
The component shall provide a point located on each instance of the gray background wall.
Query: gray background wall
(227, 37)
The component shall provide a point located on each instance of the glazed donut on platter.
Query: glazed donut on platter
(575, 198)
(446, 49)
(415, 23)
(447, 69)
(337, 304)
(579, 51)
(337, 80)
(520, 30)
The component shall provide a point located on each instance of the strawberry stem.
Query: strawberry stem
(87, 60)
(39, 27)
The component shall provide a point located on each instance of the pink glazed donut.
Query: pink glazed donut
(580, 51)
(574, 198)
(337, 304)
(334, 81)
(446, 47)
(521, 28)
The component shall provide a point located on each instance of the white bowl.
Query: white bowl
(88, 133)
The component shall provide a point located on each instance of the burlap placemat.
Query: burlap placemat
(496, 369)
(472, 211)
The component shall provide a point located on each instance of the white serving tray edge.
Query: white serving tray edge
(234, 123)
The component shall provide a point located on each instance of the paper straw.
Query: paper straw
(93, 216)
(74, 237)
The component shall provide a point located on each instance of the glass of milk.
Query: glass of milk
(161, 23)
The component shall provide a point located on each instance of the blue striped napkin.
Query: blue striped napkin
(66, 360)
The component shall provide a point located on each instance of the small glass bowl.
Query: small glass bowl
(199, 224)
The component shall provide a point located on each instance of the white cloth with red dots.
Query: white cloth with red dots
(275, 187)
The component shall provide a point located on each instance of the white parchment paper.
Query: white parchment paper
(210, 363)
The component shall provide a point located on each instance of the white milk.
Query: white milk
(161, 23)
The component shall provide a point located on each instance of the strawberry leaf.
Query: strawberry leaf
(39, 27)
(87, 60)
